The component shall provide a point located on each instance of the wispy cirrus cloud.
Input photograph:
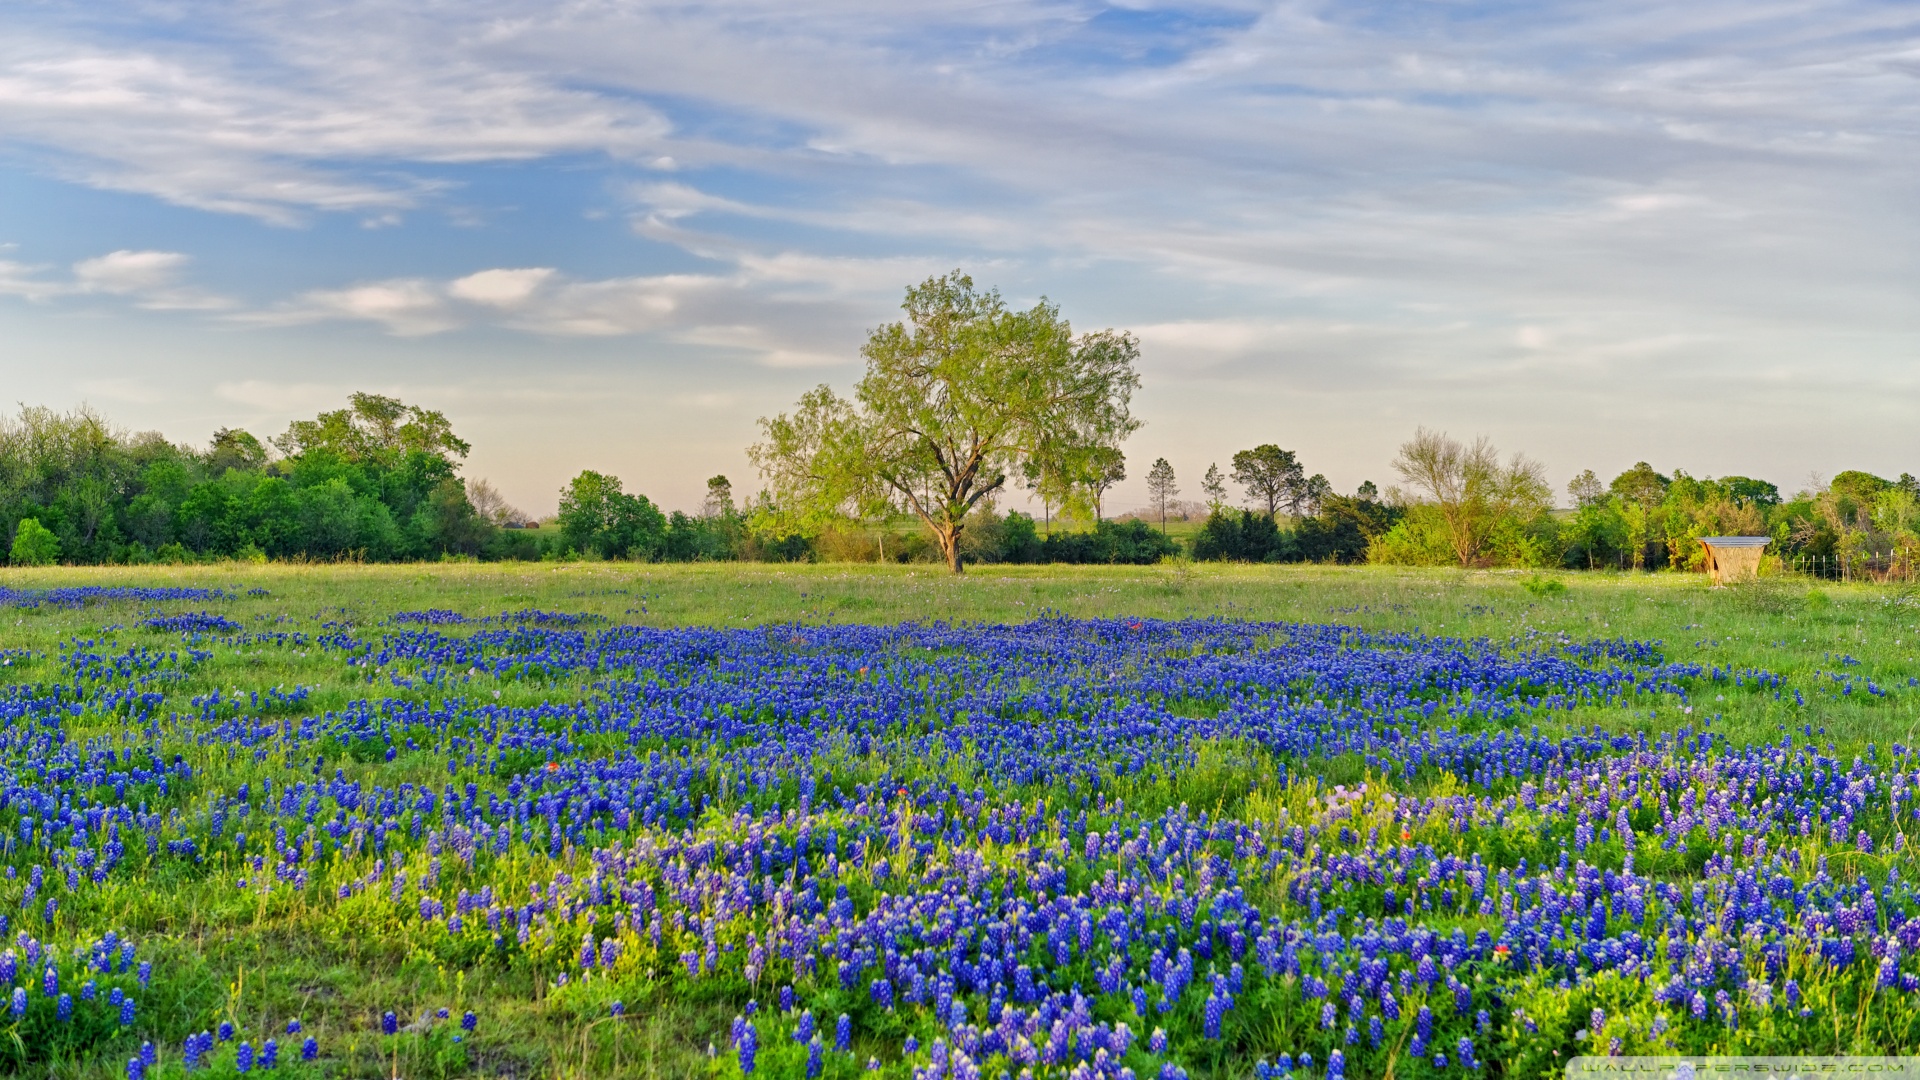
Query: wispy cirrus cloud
(1442, 209)
(772, 309)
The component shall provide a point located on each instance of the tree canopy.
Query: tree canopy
(1469, 488)
(956, 397)
(373, 427)
(1271, 476)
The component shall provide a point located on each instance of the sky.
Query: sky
(612, 235)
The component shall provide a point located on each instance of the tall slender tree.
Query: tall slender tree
(1161, 488)
(1102, 467)
(1214, 486)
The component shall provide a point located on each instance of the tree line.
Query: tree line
(963, 403)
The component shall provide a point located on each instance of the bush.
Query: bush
(34, 544)
(846, 543)
(1245, 537)
(1133, 543)
(1420, 539)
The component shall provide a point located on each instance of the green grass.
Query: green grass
(337, 965)
(1795, 627)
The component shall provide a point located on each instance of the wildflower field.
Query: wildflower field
(628, 820)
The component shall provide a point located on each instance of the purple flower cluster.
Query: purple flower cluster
(201, 622)
(1007, 848)
(82, 595)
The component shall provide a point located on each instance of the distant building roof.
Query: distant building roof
(1737, 541)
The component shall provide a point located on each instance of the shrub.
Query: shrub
(1243, 537)
(34, 544)
(1133, 543)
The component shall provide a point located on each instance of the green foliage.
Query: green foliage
(1272, 476)
(372, 428)
(373, 481)
(34, 544)
(1544, 587)
(956, 398)
(1016, 539)
(1244, 536)
(1340, 533)
(1419, 538)
(1482, 508)
(597, 517)
(1161, 488)
(1109, 542)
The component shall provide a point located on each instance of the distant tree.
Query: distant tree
(1101, 468)
(233, 448)
(373, 427)
(489, 504)
(1470, 488)
(1037, 476)
(1214, 487)
(1313, 494)
(1272, 476)
(1367, 491)
(1858, 488)
(597, 517)
(1246, 536)
(450, 522)
(1586, 489)
(1161, 489)
(961, 394)
(394, 460)
(34, 544)
(719, 501)
(1354, 522)
(1758, 492)
(1640, 485)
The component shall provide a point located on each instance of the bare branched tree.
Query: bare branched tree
(1470, 487)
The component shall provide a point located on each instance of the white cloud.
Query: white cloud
(125, 272)
(273, 130)
(1341, 197)
(690, 309)
(500, 288)
(786, 310)
(27, 283)
(409, 307)
(151, 279)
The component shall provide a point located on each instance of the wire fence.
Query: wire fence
(1890, 566)
(1874, 566)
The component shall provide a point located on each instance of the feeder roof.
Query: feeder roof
(1736, 541)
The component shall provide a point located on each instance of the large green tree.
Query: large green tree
(1271, 476)
(597, 517)
(961, 394)
(373, 428)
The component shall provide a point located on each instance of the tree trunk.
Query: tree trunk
(950, 547)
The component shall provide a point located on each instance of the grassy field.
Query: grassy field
(330, 949)
(1806, 631)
